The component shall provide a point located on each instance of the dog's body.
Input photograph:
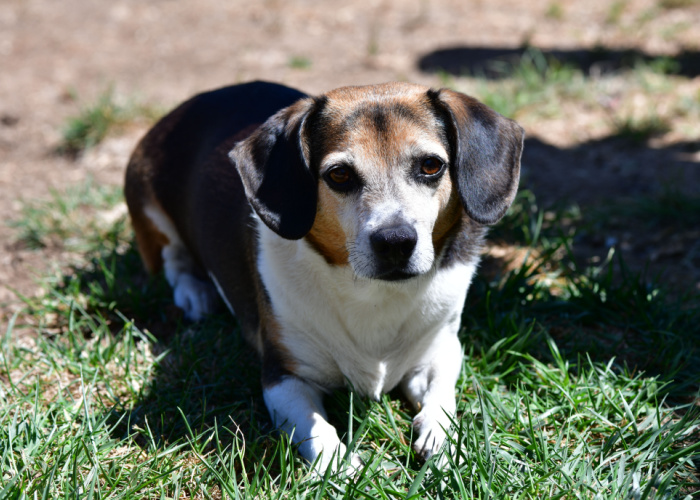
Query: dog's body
(343, 230)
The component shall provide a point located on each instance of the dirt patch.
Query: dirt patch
(165, 50)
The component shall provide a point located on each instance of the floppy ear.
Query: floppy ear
(485, 149)
(274, 168)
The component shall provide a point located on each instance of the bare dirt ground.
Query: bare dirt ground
(163, 51)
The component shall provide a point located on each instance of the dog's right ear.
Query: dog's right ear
(274, 167)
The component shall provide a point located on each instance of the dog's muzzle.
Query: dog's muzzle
(393, 247)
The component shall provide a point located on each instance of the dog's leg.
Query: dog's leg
(296, 408)
(194, 296)
(431, 389)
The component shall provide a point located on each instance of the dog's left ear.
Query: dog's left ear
(485, 154)
(274, 167)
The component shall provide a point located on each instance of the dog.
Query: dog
(342, 231)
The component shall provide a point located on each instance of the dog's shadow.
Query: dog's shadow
(205, 376)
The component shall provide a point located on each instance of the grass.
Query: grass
(554, 11)
(615, 11)
(79, 219)
(577, 383)
(95, 120)
(677, 4)
(299, 62)
(640, 129)
(534, 84)
(670, 208)
(642, 99)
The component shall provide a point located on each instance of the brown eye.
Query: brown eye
(342, 179)
(431, 166)
(339, 175)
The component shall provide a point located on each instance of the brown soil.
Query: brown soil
(162, 51)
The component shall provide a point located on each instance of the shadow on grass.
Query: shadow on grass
(204, 391)
(639, 199)
(609, 169)
(492, 62)
(612, 316)
(619, 217)
(206, 376)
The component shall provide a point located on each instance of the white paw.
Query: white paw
(431, 429)
(335, 460)
(194, 296)
(326, 451)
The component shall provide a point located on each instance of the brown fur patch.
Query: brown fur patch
(326, 235)
(366, 116)
(449, 215)
(138, 192)
(149, 239)
(276, 360)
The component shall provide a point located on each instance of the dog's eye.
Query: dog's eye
(339, 175)
(342, 179)
(431, 166)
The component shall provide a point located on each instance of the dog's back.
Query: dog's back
(183, 155)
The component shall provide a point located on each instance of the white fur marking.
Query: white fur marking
(163, 223)
(195, 297)
(297, 409)
(431, 390)
(373, 334)
(389, 198)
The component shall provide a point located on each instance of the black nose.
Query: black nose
(394, 245)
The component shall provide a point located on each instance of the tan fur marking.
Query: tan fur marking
(138, 193)
(449, 214)
(149, 239)
(377, 149)
(327, 235)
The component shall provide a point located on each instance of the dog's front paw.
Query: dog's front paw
(431, 430)
(326, 451)
(335, 460)
(194, 296)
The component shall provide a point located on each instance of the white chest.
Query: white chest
(367, 333)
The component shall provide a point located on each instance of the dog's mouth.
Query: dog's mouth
(396, 275)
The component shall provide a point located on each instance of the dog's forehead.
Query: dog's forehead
(382, 92)
(377, 116)
(377, 104)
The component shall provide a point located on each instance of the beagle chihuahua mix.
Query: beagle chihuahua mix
(342, 229)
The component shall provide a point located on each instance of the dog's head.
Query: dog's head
(377, 176)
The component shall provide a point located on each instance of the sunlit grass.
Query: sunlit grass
(644, 98)
(81, 218)
(105, 115)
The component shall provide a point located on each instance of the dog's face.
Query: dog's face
(383, 182)
(376, 177)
